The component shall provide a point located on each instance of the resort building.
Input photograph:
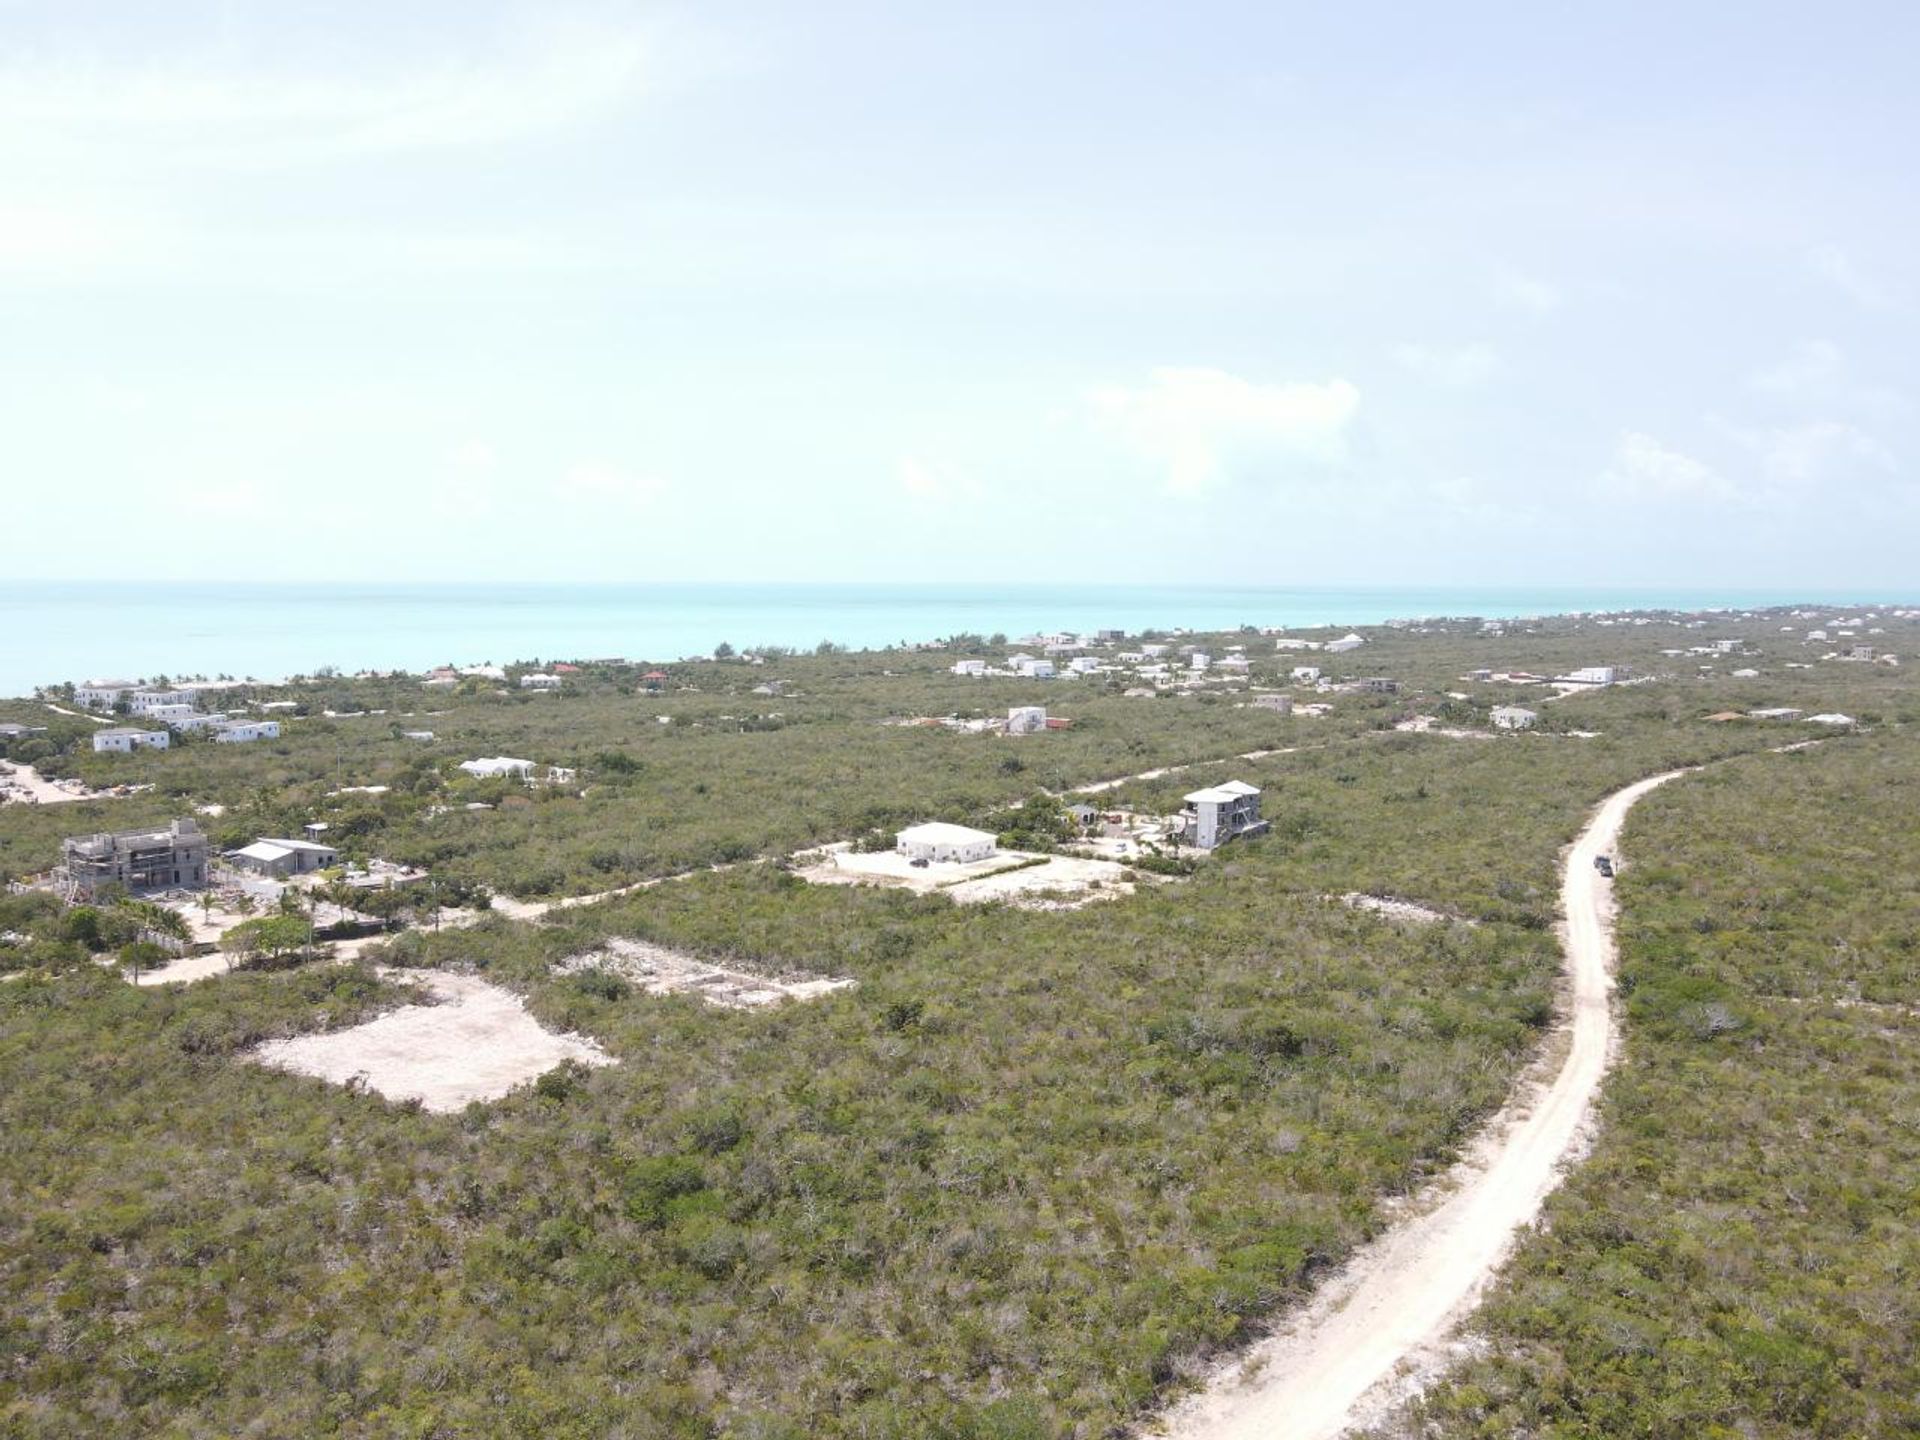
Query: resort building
(1221, 813)
(124, 740)
(240, 732)
(1349, 641)
(101, 694)
(156, 702)
(938, 842)
(139, 860)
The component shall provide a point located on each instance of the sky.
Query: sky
(1248, 293)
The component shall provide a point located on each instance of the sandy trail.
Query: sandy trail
(40, 790)
(1388, 1310)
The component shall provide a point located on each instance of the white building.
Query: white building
(1281, 703)
(1239, 664)
(1591, 675)
(490, 766)
(1306, 674)
(416, 734)
(176, 714)
(939, 842)
(1035, 669)
(1830, 719)
(101, 694)
(273, 856)
(1199, 660)
(124, 740)
(1221, 813)
(974, 668)
(541, 682)
(1084, 664)
(243, 732)
(1514, 717)
(1346, 642)
(156, 702)
(1026, 719)
(198, 720)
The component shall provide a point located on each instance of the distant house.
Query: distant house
(1222, 813)
(102, 694)
(1153, 652)
(10, 731)
(1026, 719)
(272, 856)
(1239, 664)
(1306, 674)
(1083, 814)
(494, 766)
(1777, 712)
(138, 860)
(176, 714)
(1281, 703)
(124, 740)
(1083, 664)
(1035, 669)
(541, 682)
(1590, 675)
(1379, 685)
(1514, 717)
(1199, 660)
(1830, 719)
(244, 732)
(654, 679)
(197, 720)
(939, 842)
(1349, 641)
(422, 735)
(974, 668)
(1108, 636)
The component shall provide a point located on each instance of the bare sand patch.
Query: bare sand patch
(660, 971)
(477, 1043)
(1394, 909)
(1036, 881)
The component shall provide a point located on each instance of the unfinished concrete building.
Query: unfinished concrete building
(137, 860)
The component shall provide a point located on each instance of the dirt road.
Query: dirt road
(1377, 1328)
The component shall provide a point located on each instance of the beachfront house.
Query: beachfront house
(173, 858)
(281, 858)
(125, 739)
(1514, 717)
(1221, 813)
(939, 843)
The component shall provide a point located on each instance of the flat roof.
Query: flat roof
(938, 832)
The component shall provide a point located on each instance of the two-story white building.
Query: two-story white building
(102, 694)
(242, 732)
(154, 702)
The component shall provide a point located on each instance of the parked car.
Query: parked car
(1604, 864)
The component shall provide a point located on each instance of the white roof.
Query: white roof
(1218, 795)
(293, 844)
(938, 832)
(494, 765)
(264, 850)
(1830, 719)
(1240, 787)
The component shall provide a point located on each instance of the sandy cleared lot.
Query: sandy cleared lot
(1404, 910)
(1059, 882)
(477, 1043)
(660, 971)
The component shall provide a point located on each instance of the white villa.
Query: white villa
(1591, 675)
(541, 682)
(974, 668)
(490, 766)
(1514, 717)
(159, 703)
(1035, 669)
(101, 694)
(937, 841)
(1346, 642)
(124, 740)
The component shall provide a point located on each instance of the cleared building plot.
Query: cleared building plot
(1402, 910)
(1035, 881)
(476, 1043)
(660, 971)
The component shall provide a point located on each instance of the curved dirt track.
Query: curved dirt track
(1378, 1326)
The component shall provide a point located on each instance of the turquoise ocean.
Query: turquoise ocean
(54, 631)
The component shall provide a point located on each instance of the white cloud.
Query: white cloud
(1837, 268)
(596, 482)
(1643, 466)
(1204, 425)
(1523, 292)
(1461, 369)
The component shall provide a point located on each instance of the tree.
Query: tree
(269, 939)
(723, 651)
(141, 955)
